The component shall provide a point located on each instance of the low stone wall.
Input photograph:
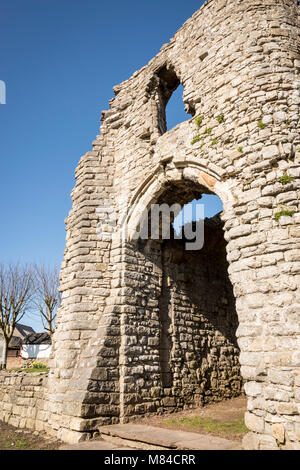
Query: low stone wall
(22, 401)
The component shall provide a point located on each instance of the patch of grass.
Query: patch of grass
(31, 369)
(261, 125)
(35, 369)
(241, 150)
(220, 119)
(285, 179)
(208, 131)
(283, 213)
(196, 139)
(17, 444)
(214, 142)
(199, 423)
(21, 444)
(198, 120)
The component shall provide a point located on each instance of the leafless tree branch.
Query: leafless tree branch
(16, 289)
(47, 298)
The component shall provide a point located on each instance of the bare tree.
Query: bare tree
(15, 300)
(47, 297)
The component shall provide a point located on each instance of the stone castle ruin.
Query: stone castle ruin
(147, 326)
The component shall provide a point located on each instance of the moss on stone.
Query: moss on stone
(195, 139)
(283, 213)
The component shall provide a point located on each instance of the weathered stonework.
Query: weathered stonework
(22, 400)
(133, 333)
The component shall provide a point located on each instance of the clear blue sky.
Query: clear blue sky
(59, 60)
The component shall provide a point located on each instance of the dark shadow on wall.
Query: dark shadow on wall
(198, 320)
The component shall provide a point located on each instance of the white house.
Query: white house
(14, 357)
(36, 346)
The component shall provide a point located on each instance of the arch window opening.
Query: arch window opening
(171, 108)
(175, 112)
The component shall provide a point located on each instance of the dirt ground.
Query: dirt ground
(224, 419)
(21, 439)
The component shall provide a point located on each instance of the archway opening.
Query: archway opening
(187, 298)
(211, 203)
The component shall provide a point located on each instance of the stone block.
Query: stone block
(72, 437)
(254, 423)
(278, 432)
(251, 441)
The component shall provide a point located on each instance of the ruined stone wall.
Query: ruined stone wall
(22, 401)
(239, 64)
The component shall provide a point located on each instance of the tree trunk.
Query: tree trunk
(4, 353)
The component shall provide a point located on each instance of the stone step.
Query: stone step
(95, 444)
(153, 438)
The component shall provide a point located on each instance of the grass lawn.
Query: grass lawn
(31, 369)
(235, 428)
